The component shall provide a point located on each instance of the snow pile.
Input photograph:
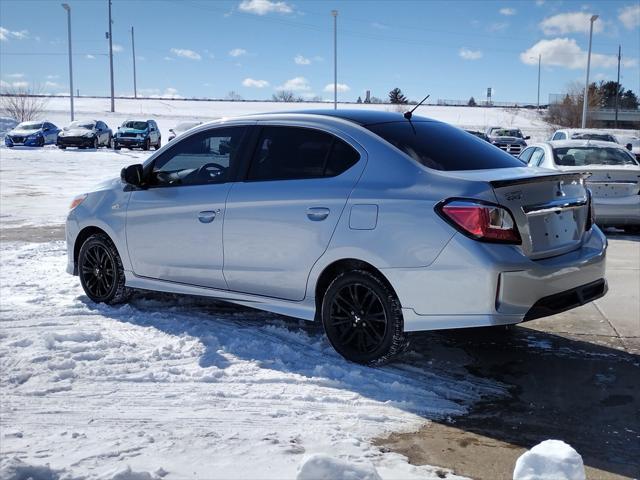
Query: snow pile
(550, 460)
(324, 467)
(12, 468)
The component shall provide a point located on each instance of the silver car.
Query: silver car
(370, 223)
(614, 176)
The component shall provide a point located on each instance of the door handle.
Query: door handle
(207, 216)
(317, 214)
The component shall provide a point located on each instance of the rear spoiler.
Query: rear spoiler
(559, 177)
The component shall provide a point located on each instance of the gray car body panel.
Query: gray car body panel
(381, 211)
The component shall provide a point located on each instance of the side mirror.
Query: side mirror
(629, 147)
(132, 175)
(527, 137)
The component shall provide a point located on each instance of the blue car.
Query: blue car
(32, 134)
(142, 134)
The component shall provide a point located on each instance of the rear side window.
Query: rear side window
(537, 158)
(526, 155)
(443, 147)
(559, 136)
(290, 153)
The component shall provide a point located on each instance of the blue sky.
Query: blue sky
(205, 48)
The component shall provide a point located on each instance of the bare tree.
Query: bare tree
(233, 96)
(22, 103)
(285, 96)
(568, 113)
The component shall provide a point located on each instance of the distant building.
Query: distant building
(367, 98)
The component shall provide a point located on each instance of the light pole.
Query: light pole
(133, 48)
(334, 13)
(585, 100)
(113, 107)
(68, 9)
(539, 62)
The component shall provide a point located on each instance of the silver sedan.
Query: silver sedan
(614, 176)
(371, 223)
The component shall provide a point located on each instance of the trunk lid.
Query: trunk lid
(610, 182)
(550, 208)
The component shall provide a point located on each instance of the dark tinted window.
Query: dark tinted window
(287, 153)
(342, 158)
(559, 136)
(443, 147)
(207, 157)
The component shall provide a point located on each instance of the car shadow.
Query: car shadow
(519, 386)
(621, 235)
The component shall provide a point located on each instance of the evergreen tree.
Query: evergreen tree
(472, 102)
(359, 100)
(396, 96)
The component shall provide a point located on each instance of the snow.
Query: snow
(550, 460)
(174, 386)
(324, 467)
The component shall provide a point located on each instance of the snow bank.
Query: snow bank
(324, 467)
(12, 468)
(550, 460)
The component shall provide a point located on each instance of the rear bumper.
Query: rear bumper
(617, 211)
(472, 284)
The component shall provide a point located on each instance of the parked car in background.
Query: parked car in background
(32, 134)
(138, 134)
(631, 143)
(478, 134)
(511, 140)
(372, 224)
(85, 133)
(583, 134)
(614, 176)
(181, 128)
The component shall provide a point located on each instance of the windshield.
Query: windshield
(79, 124)
(135, 125)
(582, 156)
(593, 136)
(29, 126)
(504, 132)
(443, 147)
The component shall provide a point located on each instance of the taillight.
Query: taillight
(481, 221)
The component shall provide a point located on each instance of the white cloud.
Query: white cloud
(52, 77)
(89, 57)
(185, 53)
(498, 26)
(565, 52)
(237, 52)
(117, 47)
(49, 84)
(15, 75)
(507, 11)
(168, 92)
(342, 87)
(300, 60)
(296, 84)
(262, 7)
(19, 84)
(252, 83)
(169, 59)
(571, 22)
(6, 34)
(539, 3)
(468, 54)
(630, 16)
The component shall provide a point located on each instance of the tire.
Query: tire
(159, 144)
(362, 318)
(96, 143)
(41, 142)
(101, 272)
(62, 147)
(632, 229)
(147, 144)
(116, 146)
(109, 142)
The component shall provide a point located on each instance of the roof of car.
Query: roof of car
(364, 116)
(584, 130)
(582, 143)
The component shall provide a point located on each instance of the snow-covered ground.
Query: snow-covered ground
(178, 387)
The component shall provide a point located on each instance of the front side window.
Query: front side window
(204, 158)
(442, 147)
(292, 153)
(584, 156)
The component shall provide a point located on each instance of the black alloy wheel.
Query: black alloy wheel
(96, 144)
(363, 319)
(101, 271)
(147, 144)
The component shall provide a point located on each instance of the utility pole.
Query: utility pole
(68, 9)
(539, 62)
(113, 107)
(585, 100)
(335, 58)
(615, 124)
(133, 48)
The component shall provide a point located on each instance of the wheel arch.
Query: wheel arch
(82, 236)
(335, 268)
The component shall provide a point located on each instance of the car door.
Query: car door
(280, 220)
(174, 226)
(101, 131)
(154, 133)
(50, 132)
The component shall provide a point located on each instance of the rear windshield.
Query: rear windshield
(593, 136)
(443, 147)
(135, 125)
(580, 156)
